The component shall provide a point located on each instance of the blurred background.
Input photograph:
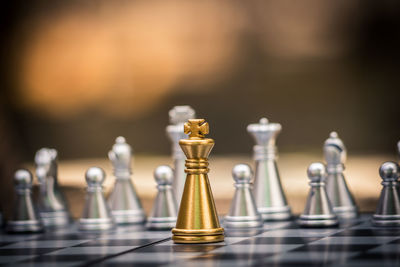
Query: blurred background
(76, 74)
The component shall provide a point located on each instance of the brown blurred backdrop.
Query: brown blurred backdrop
(76, 74)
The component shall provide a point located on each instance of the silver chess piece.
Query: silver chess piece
(96, 214)
(165, 208)
(177, 117)
(25, 217)
(318, 211)
(338, 192)
(388, 209)
(123, 200)
(243, 211)
(53, 208)
(398, 148)
(268, 193)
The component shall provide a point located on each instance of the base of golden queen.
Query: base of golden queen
(184, 239)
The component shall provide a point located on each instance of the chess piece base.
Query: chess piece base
(24, 226)
(198, 236)
(55, 218)
(98, 224)
(275, 213)
(386, 220)
(154, 223)
(349, 212)
(243, 222)
(318, 221)
(129, 216)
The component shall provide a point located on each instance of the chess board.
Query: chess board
(354, 243)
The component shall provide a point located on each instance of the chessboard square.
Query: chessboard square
(66, 236)
(383, 257)
(345, 240)
(233, 240)
(386, 249)
(368, 263)
(305, 258)
(25, 251)
(278, 240)
(332, 248)
(14, 258)
(138, 235)
(3, 244)
(396, 241)
(59, 259)
(45, 244)
(300, 233)
(91, 250)
(17, 238)
(369, 232)
(117, 242)
(159, 257)
(256, 249)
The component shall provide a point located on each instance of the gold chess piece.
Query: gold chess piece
(197, 218)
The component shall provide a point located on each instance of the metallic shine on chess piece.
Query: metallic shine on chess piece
(268, 193)
(96, 214)
(165, 209)
(388, 209)
(338, 192)
(177, 117)
(25, 217)
(197, 218)
(123, 200)
(53, 208)
(243, 211)
(318, 211)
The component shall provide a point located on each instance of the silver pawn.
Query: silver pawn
(96, 214)
(243, 211)
(318, 211)
(53, 208)
(165, 208)
(268, 193)
(388, 209)
(123, 200)
(177, 117)
(338, 192)
(25, 217)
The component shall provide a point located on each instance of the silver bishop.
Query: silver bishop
(123, 200)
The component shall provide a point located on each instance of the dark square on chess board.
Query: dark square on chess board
(354, 243)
